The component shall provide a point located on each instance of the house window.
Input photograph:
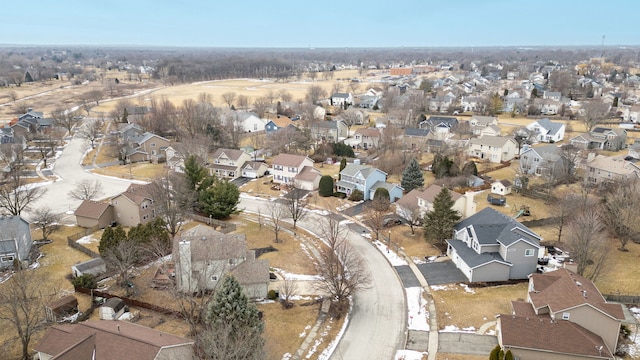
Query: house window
(153, 144)
(565, 316)
(529, 252)
(8, 258)
(145, 217)
(214, 277)
(255, 127)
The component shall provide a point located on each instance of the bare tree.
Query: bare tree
(593, 112)
(354, 86)
(90, 131)
(271, 96)
(343, 271)
(620, 211)
(412, 214)
(229, 98)
(336, 88)
(276, 214)
(46, 221)
(15, 196)
(64, 119)
(22, 303)
(13, 95)
(288, 289)
(374, 215)
(95, 96)
(351, 117)
(285, 95)
(315, 93)
(260, 106)
(243, 102)
(46, 144)
(312, 75)
(296, 205)
(121, 258)
(86, 190)
(173, 201)
(587, 243)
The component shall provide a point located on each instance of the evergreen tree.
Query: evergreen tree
(325, 188)
(494, 353)
(470, 168)
(508, 355)
(110, 238)
(219, 200)
(233, 325)
(412, 177)
(439, 222)
(194, 172)
(343, 164)
(381, 199)
(125, 116)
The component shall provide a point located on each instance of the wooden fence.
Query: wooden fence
(71, 241)
(624, 299)
(129, 301)
(222, 226)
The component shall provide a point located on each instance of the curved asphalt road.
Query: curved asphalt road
(378, 319)
(69, 171)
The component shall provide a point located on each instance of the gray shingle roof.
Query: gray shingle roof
(473, 259)
(550, 126)
(416, 132)
(353, 169)
(493, 227)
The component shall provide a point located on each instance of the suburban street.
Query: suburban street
(377, 322)
(69, 171)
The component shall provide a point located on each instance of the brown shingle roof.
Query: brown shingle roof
(252, 272)
(229, 153)
(137, 192)
(91, 209)
(308, 173)
(370, 132)
(559, 336)
(289, 160)
(208, 244)
(523, 308)
(562, 289)
(113, 340)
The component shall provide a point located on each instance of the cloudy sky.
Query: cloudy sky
(324, 23)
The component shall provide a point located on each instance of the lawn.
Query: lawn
(140, 171)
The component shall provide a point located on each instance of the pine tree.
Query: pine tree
(508, 355)
(325, 187)
(439, 223)
(494, 353)
(110, 238)
(234, 328)
(125, 116)
(343, 164)
(219, 200)
(412, 177)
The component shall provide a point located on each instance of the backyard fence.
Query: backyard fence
(129, 301)
(222, 226)
(71, 241)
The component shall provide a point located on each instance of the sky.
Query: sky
(320, 24)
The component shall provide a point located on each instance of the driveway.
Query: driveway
(69, 171)
(407, 276)
(441, 273)
(355, 210)
(240, 181)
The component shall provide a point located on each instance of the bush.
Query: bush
(356, 195)
(341, 149)
(339, 195)
(271, 295)
(87, 281)
(325, 188)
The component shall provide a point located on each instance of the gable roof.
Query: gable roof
(484, 120)
(551, 127)
(308, 173)
(544, 334)
(137, 193)
(232, 154)
(110, 339)
(490, 140)
(354, 169)
(450, 122)
(289, 160)
(370, 132)
(416, 132)
(91, 209)
(491, 227)
(614, 165)
(141, 139)
(549, 152)
(562, 289)
(208, 244)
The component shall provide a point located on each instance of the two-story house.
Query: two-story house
(203, 256)
(542, 160)
(228, 163)
(278, 123)
(295, 170)
(441, 126)
(494, 149)
(366, 138)
(422, 201)
(601, 138)
(329, 131)
(490, 246)
(479, 123)
(366, 179)
(146, 147)
(416, 139)
(565, 317)
(15, 240)
(135, 205)
(601, 169)
(546, 130)
(339, 99)
(247, 121)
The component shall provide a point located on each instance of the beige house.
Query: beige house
(602, 169)
(288, 169)
(479, 123)
(93, 213)
(329, 131)
(135, 205)
(366, 138)
(146, 147)
(228, 163)
(494, 149)
(501, 187)
(564, 317)
(111, 340)
(204, 256)
(423, 202)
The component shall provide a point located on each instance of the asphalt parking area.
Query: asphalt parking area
(441, 273)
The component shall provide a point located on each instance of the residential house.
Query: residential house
(94, 214)
(366, 138)
(441, 126)
(542, 160)
(547, 130)
(631, 114)
(111, 340)
(135, 205)
(479, 123)
(248, 121)
(601, 138)
(228, 163)
(495, 149)
(204, 256)
(490, 246)
(634, 149)
(501, 187)
(15, 240)
(368, 101)
(7, 135)
(422, 200)
(130, 131)
(307, 179)
(286, 169)
(281, 122)
(601, 169)
(564, 317)
(491, 130)
(254, 169)
(339, 99)
(62, 308)
(552, 95)
(174, 159)
(471, 103)
(416, 139)
(330, 131)
(366, 179)
(146, 147)
(442, 103)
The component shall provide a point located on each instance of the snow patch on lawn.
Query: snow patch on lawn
(455, 329)
(409, 355)
(393, 258)
(417, 305)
